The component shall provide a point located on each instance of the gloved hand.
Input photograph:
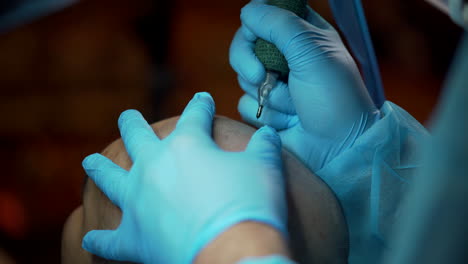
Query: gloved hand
(458, 12)
(183, 191)
(325, 106)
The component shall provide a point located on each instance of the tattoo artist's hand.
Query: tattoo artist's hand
(324, 107)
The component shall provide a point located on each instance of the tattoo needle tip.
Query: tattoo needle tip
(259, 111)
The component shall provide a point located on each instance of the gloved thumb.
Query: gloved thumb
(265, 142)
(107, 244)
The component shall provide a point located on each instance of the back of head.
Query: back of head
(318, 231)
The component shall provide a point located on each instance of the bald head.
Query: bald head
(318, 232)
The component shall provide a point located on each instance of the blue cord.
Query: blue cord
(351, 20)
(29, 11)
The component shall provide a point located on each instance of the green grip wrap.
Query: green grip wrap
(267, 52)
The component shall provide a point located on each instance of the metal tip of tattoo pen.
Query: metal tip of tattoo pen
(265, 89)
(259, 111)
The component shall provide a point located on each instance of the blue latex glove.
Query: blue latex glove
(183, 191)
(325, 116)
(325, 106)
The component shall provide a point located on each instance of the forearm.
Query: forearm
(244, 240)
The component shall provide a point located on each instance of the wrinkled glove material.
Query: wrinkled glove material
(371, 177)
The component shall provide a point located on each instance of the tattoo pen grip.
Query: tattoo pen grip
(273, 60)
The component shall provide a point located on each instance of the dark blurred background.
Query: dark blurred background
(65, 78)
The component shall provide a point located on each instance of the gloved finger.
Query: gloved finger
(198, 115)
(279, 98)
(136, 133)
(243, 59)
(278, 120)
(273, 24)
(110, 245)
(108, 176)
(266, 143)
(248, 34)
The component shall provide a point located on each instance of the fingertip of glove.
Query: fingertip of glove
(268, 130)
(206, 100)
(127, 114)
(87, 241)
(248, 11)
(247, 109)
(90, 160)
(268, 133)
(203, 96)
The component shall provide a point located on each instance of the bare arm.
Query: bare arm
(246, 239)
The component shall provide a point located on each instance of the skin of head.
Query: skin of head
(317, 227)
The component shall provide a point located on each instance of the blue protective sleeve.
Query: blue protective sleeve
(370, 177)
(267, 260)
(433, 227)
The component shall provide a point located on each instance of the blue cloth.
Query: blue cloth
(434, 221)
(370, 178)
